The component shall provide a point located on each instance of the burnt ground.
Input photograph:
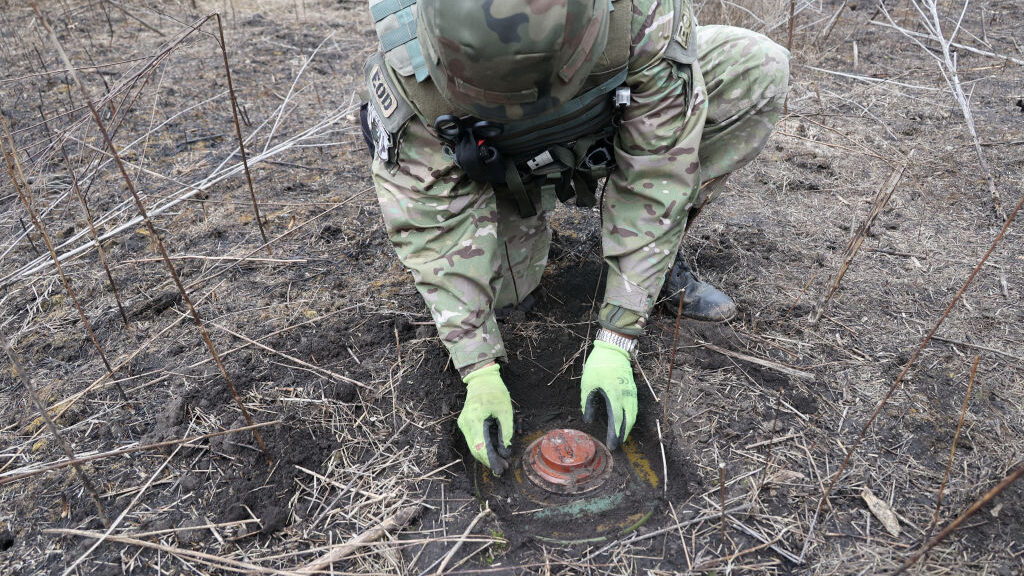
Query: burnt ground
(333, 352)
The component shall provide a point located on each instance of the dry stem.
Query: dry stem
(27, 381)
(152, 229)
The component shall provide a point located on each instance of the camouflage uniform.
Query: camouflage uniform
(469, 250)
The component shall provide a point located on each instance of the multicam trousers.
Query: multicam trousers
(470, 252)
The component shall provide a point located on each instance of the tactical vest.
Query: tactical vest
(565, 151)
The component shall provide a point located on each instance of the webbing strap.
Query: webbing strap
(405, 32)
(574, 105)
(558, 133)
(565, 156)
(518, 190)
(386, 8)
(419, 64)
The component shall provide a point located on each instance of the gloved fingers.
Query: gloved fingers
(478, 448)
(612, 439)
(629, 419)
(615, 420)
(504, 435)
(590, 406)
(624, 428)
(506, 423)
(494, 454)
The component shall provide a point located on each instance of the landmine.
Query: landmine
(566, 487)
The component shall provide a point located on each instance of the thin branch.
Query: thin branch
(672, 360)
(201, 557)
(15, 475)
(21, 185)
(238, 132)
(881, 200)
(88, 218)
(985, 499)
(342, 551)
(759, 361)
(948, 68)
(27, 381)
(152, 229)
(469, 529)
(952, 449)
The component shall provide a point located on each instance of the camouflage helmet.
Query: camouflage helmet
(511, 59)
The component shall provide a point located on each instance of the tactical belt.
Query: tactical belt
(567, 159)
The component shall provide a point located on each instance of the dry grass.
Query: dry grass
(334, 356)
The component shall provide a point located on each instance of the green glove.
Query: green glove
(608, 374)
(487, 403)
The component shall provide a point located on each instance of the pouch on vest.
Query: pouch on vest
(387, 110)
(395, 23)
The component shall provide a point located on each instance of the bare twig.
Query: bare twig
(342, 551)
(462, 539)
(985, 499)
(238, 132)
(151, 228)
(202, 557)
(759, 361)
(881, 199)
(792, 20)
(89, 220)
(664, 461)
(956, 45)
(27, 381)
(134, 17)
(15, 475)
(771, 441)
(979, 347)
(801, 294)
(952, 449)
(21, 185)
(721, 493)
(672, 360)
(929, 18)
(764, 539)
(832, 22)
(313, 367)
(676, 526)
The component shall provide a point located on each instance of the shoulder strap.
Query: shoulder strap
(395, 23)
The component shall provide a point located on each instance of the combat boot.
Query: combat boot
(702, 300)
(515, 312)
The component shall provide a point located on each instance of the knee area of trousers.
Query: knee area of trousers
(763, 62)
(775, 69)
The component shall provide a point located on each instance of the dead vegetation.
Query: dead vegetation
(267, 396)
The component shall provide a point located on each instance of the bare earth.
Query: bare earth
(333, 354)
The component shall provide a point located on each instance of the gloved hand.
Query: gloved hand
(608, 374)
(487, 403)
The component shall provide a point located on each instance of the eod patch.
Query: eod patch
(379, 84)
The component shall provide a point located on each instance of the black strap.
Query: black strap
(364, 127)
(522, 197)
(480, 161)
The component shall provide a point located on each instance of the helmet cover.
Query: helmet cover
(513, 59)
